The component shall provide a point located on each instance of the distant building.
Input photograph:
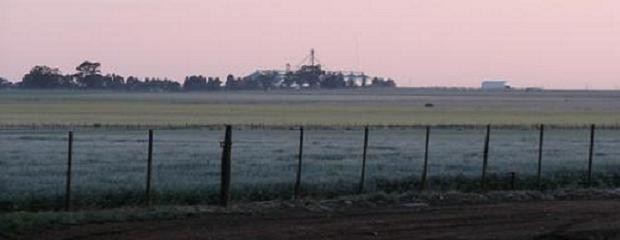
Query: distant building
(534, 89)
(494, 85)
(311, 74)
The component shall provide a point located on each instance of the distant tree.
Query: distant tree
(134, 84)
(172, 85)
(266, 81)
(214, 83)
(5, 83)
(89, 77)
(241, 83)
(249, 83)
(351, 83)
(195, 83)
(68, 81)
(92, 82)
(333, 81)
(113, 81)
(375, 82)
(364, 80)
(231, 83)
(159, 85)
(88, 68)
(44, 77)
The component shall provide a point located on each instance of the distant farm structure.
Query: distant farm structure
(500, 85)
(310, 74)
(307, 75)
(494, 85)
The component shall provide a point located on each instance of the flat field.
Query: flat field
(109, 166)
(338, 107)
(110, 163)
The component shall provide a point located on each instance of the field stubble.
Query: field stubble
(278, 108)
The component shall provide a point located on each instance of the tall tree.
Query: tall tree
(89, 77)
(43, 77)
(88, 68)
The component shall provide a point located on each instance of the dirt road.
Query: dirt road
(533, 220)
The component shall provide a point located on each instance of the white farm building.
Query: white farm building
(494, 85)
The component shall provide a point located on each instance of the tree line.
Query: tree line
(88, 76)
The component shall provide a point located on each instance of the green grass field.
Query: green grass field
(343, 107)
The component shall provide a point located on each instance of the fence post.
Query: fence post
(301, 150)
(591, 155)
(149, 169)
(363, 177)
(69, 165)
(225, 174)
(540, 156)
(485, 158)
(425, 167)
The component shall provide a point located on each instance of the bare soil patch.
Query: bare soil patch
(574, 219)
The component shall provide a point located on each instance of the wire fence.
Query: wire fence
(90, 167)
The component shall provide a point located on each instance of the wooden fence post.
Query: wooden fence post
(149, 169)
(485, 158)
(363, 177)
(425, 167)
(540, 156)
(226, 172)
(68, 179)
(299, 162)
(591, 155)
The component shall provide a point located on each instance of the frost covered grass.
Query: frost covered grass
(110, 164)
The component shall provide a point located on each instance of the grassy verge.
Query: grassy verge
(19, 224)
(265, 192)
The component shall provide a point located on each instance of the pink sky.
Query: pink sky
(544, 43)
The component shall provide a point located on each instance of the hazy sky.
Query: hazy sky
(546, 43)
